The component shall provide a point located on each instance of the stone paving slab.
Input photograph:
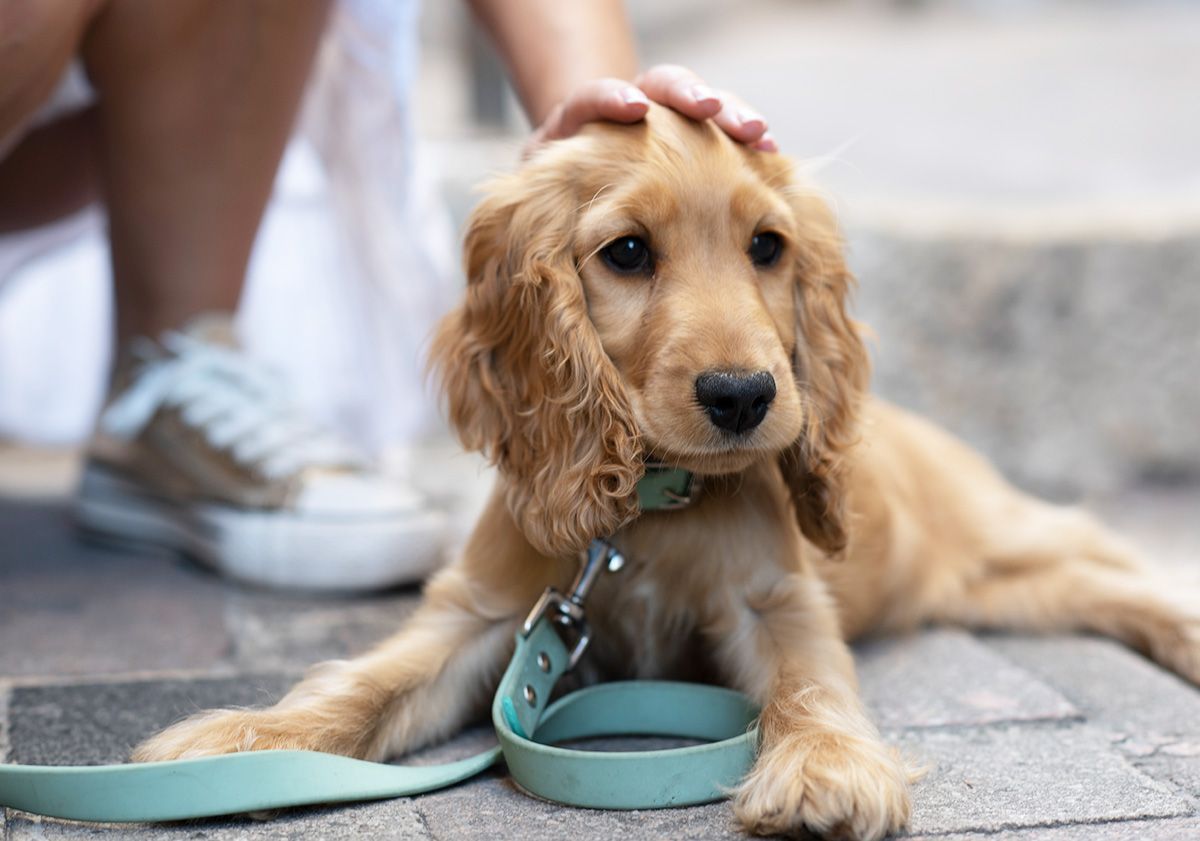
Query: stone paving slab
(1178, 766)
(72, 608)
(945, 677)
(494, 807)
(1114, 687)
(1149, 715)
(281, 632)
(1183, 829)
(391, 819)
(994, 779)
(93, 724)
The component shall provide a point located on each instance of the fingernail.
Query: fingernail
(749, 118)
(703, 93)
(633, 96)
(767, 143)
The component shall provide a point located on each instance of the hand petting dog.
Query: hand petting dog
(618, 101)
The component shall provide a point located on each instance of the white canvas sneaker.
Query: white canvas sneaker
(201, 450)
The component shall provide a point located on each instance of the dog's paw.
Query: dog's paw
(231, 731)
(1161, 620)
(831, 786)
(1175, 644)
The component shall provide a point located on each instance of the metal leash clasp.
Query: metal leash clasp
(566, 612)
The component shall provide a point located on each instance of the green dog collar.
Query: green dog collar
(664, 488)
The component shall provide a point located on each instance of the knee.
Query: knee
(37, 41)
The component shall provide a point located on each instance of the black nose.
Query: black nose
(736, 402)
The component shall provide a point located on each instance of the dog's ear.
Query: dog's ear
(525, 377)
(832, 370)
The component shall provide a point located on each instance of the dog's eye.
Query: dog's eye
(765, 248)
(627, 255)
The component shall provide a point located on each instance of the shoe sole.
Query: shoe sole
(276, 549)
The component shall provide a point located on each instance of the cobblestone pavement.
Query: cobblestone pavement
(1057, 738)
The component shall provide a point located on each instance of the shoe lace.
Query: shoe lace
(241, 407)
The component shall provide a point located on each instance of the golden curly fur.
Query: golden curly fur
(836, 516)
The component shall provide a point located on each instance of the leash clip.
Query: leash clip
(566, 612)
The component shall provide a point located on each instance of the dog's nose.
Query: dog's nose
(736, 402)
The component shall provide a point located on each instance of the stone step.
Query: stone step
(1071, 362)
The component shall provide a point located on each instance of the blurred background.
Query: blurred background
(1019, 182)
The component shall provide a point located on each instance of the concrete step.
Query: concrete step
(1071, 361)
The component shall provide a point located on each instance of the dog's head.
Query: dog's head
(652, 291)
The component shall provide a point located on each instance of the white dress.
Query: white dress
(353, 265)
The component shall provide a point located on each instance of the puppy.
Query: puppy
(659, 292)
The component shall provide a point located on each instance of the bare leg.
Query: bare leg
(196, 103)
(46, 172)
(822, 765)
(37, 41)
(45, 177)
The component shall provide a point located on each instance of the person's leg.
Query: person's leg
(45, 172)
(37, 41)
(49, 174)
(199, 449)
(196, 103)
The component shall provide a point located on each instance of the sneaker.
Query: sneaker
(201, 450)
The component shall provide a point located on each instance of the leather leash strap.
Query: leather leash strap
(527, 729)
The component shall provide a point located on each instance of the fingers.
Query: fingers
(766, 143)
(600, 99)
(667, 84)
(743, 123)
(680, 89)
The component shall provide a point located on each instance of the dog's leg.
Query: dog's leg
(413, 689)
(822, 766)
(1051, 568)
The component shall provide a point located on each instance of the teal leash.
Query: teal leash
(549, 645)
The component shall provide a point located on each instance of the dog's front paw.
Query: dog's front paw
(233, 731)
(1171, 634)
(829, 785)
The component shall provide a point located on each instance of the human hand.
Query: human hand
(667, 84)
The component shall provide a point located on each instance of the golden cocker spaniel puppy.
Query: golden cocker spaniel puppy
(660, 292)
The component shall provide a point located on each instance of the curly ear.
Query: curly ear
(832, 371)
(525, 377)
